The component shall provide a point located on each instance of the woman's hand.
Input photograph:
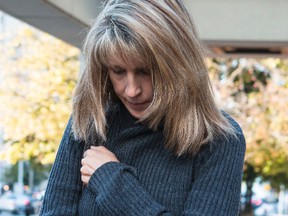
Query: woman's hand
(95, 157)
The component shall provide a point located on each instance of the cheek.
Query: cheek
(149, 89)
(117, 86)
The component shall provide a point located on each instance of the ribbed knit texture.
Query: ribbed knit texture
(150, 180)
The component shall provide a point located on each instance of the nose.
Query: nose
(133, 87)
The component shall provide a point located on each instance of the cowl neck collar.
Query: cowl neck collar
(126, 119)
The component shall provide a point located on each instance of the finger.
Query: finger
(87, 170)
(85, 154)
(83, 161)
(83, 171)
(85, 179)
(99, 148)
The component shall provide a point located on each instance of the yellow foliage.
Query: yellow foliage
(262, 115)
(37, 80)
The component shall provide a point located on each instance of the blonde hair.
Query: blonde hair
(161, 33)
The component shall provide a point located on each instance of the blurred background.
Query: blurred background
(247, 58)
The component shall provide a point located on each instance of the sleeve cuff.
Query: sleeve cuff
(103, 178)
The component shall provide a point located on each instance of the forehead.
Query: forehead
(127, 61)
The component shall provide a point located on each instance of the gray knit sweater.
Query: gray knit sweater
(150, 180)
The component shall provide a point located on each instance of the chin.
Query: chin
(137, 115)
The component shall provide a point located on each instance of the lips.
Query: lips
(138, 106)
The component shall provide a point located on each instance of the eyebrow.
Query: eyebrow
(120, 67)
(115, 67)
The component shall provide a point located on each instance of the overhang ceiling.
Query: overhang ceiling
(256, 28)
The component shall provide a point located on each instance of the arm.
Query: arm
(217, 184)
(215, 190)
(64, 186)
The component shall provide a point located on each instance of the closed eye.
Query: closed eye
(118, 70)
(143, 71)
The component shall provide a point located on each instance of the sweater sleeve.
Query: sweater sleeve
(64, 187)
(215, 190)
(217, 185)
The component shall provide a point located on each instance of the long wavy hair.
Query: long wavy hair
(160, 33)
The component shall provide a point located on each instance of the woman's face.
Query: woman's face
(132, 84)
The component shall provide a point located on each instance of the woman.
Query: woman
(146, 136)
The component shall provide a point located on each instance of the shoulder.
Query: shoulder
(232, 121)
(225, 145)
(230, 143)
(69, 137)
(239, 135)
(68, 132)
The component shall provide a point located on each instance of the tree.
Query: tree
(255, 92)
(38, 75)
(39, 171)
